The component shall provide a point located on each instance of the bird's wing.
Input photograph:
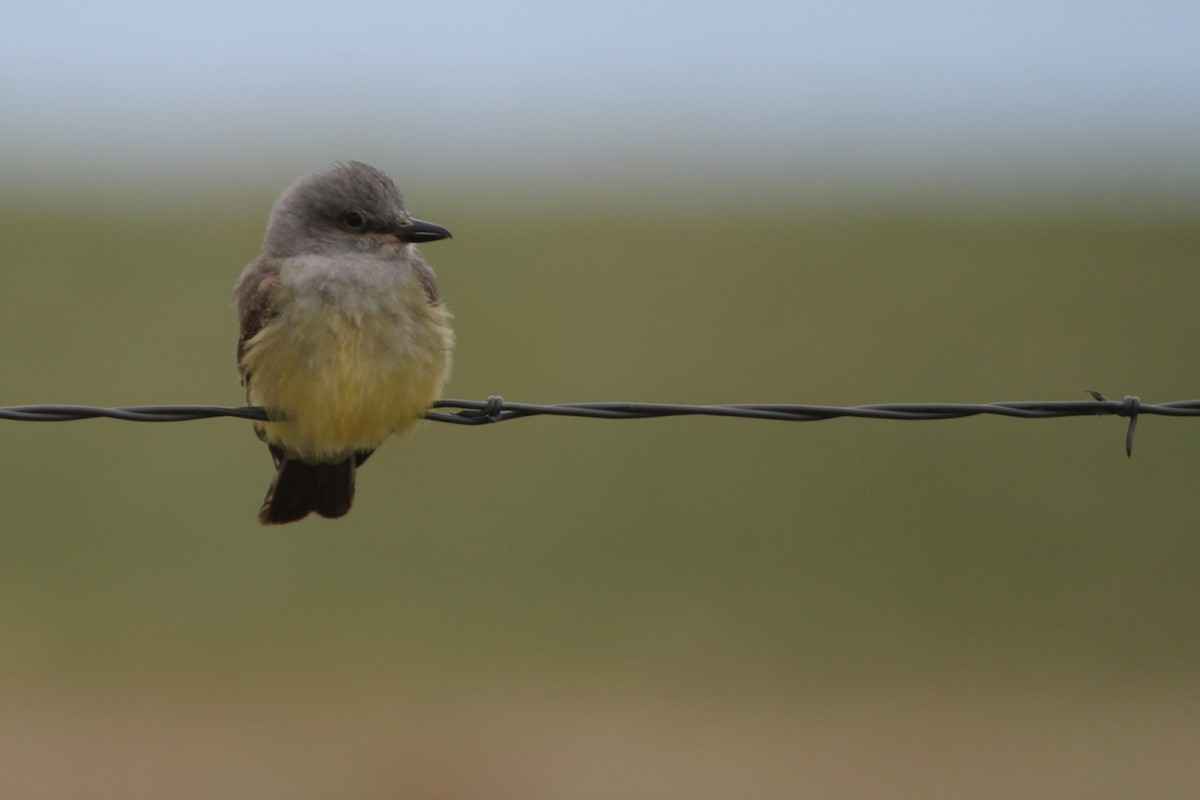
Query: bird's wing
(425, 275)
(256, 305)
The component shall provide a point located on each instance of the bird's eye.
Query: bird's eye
(354, 220)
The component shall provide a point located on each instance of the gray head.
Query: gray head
(350, 206)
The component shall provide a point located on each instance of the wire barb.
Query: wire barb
(497, 409)
(1131, 406)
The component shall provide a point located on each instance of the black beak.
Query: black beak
(419, 231)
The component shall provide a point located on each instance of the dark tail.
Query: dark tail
(300, 489)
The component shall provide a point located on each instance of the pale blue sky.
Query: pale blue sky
(480, 90)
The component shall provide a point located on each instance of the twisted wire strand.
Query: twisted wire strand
(496, 409)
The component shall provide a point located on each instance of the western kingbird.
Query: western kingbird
(343, 339)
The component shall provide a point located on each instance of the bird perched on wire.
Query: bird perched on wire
(343, 338)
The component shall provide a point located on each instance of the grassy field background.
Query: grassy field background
(578, 608)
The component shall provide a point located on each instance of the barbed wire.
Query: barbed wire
(497, 409)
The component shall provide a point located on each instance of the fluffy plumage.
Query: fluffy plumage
(343, 336)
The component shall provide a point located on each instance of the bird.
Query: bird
(343, 338)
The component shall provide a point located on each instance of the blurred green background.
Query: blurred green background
(581, 608)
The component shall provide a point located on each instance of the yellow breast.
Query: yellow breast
(344, 379)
